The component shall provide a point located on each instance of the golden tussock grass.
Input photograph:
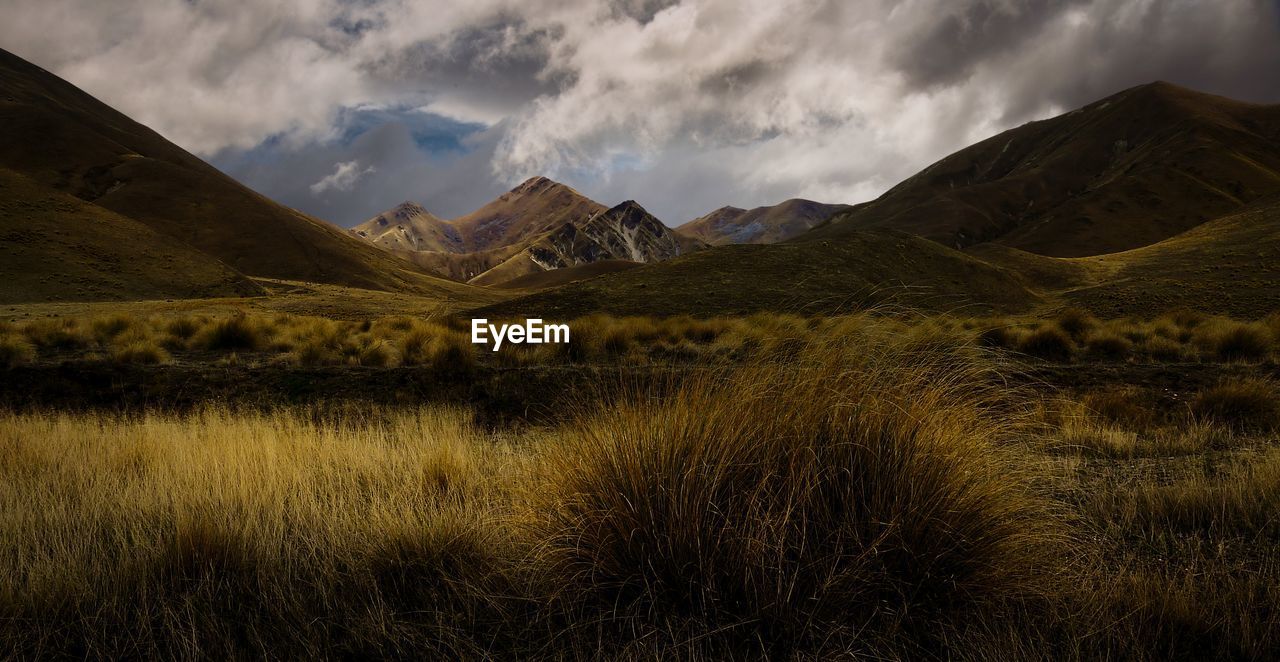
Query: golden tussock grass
(1072, 335)
(841, 502)
(15, 350)
(220, 535)
(232, 334)
(808, 506)
(1248, 404)
(880, 493)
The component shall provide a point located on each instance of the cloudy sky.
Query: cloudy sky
(343, 108)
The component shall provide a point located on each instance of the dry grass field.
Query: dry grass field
(868, 486)
(237, 333)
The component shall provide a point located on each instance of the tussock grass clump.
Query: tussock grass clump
(1248, 404)
(15, 350)
(377, 353)
(1230, 340)
(452, 352)
(848, 501)
(57, 334)
(184, 327)
(106, 329)
(238, 333)
(141, 351)
(416, 342)
(1128, 406)
(1163, 348)
(586, 336)
(1048, 342)
(1109, 345)
(1077, 322)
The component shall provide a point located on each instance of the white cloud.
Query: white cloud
(748, 99)
(343, 178)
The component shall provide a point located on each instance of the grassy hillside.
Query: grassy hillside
(863, 269)
(1127, 171)
(65, 139)
(56, 247)
(1229, 265)
(556, 277)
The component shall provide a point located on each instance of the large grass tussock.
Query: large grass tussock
(824, 504)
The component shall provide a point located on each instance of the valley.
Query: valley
(1025, 404)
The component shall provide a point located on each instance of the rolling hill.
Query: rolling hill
(57, 247)
(863, 269)
(556, 277)
(65, 141)
(762, 225)
(1127, 171)
(1230, 265)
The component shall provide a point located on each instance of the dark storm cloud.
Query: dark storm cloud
(346, 107)
(642, 11)
(491, 69)
(967, 33)
(1227, 48)
(407, 154)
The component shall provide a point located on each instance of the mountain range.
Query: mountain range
(1152, 198)
(539, 225)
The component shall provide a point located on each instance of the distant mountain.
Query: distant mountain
(625, 232)
(762, 225)
(409, 227)
(63, 141)
(1127, 171)
(538, 226)
(530, 209)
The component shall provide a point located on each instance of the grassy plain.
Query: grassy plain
(876, 485)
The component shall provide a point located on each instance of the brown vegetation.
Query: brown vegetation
(881, 492)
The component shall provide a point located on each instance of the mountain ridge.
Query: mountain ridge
(539, 225)
(1125, 171)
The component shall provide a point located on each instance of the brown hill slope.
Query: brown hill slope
(536, 206)
(460, 267)
(1127, 171)
(1230, 265)
(56, 247)
(65, 139)
(410, 227)
(863, 269)
(556, 277)
(762, 225)
(625, 232)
